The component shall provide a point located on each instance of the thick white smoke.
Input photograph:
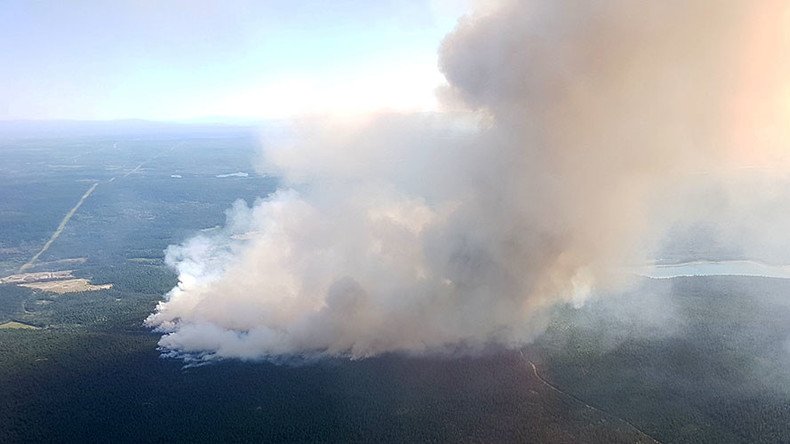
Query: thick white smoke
(421, 233)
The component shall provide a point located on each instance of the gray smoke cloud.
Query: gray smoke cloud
(423, 233)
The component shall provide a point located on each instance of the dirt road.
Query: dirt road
(59, 230)
(558, 390)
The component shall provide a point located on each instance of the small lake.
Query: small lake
(715, 268)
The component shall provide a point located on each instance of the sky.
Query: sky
(209, 60)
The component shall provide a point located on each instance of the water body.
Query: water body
(715, 268)
(239, 174)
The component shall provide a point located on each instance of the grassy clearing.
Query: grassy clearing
(66, 286)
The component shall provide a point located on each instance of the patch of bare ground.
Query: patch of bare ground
(66, 286)
(53, 281)
(14, 325)
(23, 278)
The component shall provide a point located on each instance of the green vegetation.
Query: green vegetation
(81, 385)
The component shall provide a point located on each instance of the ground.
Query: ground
(16, 325)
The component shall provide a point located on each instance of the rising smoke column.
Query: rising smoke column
(425, 233)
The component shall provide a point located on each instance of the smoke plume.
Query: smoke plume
(418, 233)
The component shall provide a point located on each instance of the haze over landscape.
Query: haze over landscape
(374, 246)
(541, 221)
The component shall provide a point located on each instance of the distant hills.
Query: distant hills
(71, 128)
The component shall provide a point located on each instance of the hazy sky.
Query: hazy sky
(180, 59)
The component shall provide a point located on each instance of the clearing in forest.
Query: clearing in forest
(14, 325)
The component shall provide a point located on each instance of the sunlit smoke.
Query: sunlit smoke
(453, 231)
